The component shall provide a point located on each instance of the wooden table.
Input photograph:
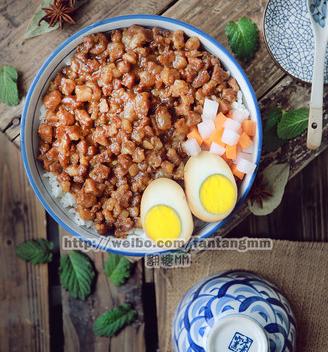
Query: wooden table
(36, 314)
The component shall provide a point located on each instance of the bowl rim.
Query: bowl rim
(77, 34)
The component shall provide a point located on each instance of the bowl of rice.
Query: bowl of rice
(122, 102)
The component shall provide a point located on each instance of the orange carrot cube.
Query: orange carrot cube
(245, 141)
(195, 134)
(236, 172)
(219, 121)
(215, 137)
(249, 127)
(231, 152)
(228, 161)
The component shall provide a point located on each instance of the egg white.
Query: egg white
(164, 191)
(197, 170)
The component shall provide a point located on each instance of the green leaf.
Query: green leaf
(273, 118)
(117, 268)
(275, 177)
(34, 29)
(111, 322)
(293, 123)
(35, 251)
(243, 38)
(8, 85)
(271, 141)
(76, 274)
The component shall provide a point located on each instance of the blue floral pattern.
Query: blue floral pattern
(288, 32)
(318, 10)
(227, 294)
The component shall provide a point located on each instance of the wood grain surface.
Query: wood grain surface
(79, 316)
(24, 301)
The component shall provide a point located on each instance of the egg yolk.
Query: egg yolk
(217, 194)
(162, 222)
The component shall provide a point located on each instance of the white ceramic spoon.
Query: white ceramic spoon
(319, 19)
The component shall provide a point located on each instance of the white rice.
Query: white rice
(42, 113)
(66, 199)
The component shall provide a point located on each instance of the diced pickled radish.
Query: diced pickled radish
(206, 128)
(230, 137)
(240, 114)
(217, 149)
(249, 150)
(242, 155)
(210, 109)
(246, 166)
(231, 124)
(191, 147)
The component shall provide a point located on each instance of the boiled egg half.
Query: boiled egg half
(210, 187)
(164, 211)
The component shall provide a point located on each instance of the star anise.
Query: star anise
(260, 191)
(59, 12)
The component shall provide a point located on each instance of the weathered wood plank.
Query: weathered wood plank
(78, 316)
(28, 55)
(24, 304)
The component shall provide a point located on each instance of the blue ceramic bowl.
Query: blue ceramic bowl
(289, 36)
(234, 311)
(31, 113)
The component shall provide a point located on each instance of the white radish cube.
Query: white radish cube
(249, 150)
(246, 166)
(191, 147)
(206, 128)
(240, 114)
(217, 149)
(242, 155)
(230, 137)
(210, 109)
(231, 124)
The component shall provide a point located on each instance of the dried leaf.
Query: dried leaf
(276, 177)
(34, 29)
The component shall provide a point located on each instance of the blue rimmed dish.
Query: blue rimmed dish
(234, 311)
(31, 114)
(289, 37)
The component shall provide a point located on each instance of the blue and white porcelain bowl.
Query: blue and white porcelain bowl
(234, 311)
(289, 36)
(31, 114)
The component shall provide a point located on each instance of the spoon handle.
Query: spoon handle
(314, 134)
